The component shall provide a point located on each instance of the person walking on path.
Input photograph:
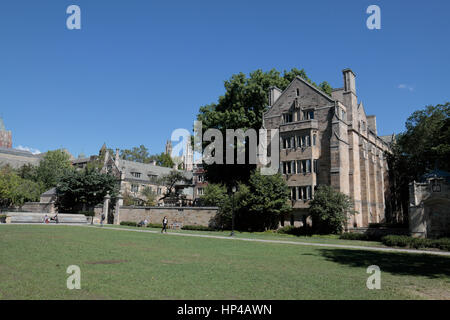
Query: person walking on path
(164, 222)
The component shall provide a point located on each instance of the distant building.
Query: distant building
(14, 157)
(5, 136)
(135, 177)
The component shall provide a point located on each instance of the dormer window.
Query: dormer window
(287, 117)
(136, 174)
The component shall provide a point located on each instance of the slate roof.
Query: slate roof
(146, 170)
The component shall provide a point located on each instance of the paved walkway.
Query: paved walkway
(341, 246)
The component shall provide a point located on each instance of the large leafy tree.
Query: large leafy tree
(242, 107)
(266, 202)
(137, 154)
(426, 141)
(163, 160)
(170, 181)
(422, 147)
(259, 205)
(79, 190)
(330, 210)
(52, 167)
(15, 191)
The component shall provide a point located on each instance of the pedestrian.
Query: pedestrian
(46, 218)
(164, 228)
(102, 218)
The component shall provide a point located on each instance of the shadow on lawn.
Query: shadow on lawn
(396, 263)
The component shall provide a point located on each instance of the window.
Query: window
(287, 117)
(314, 139)
(343, 115)
(200, 191)
(304, 193)
(316, 166)
(311, 115)
(136, 174)
(134, 188)
(159, 191)
(299, 166)
(298, 92)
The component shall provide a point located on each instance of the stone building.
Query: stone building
(5, 136)
(429, 205)
(329, 140)
(135, 177)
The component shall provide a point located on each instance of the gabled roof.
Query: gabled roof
(308, 84)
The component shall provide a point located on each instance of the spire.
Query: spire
(2, 125)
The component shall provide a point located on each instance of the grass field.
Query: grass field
(131, 265)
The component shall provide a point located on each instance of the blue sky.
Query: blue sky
(139, 69)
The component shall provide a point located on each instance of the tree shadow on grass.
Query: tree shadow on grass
(426, 265)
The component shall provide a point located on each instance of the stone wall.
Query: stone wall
(183, 215)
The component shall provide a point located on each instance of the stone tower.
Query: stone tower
(188, 158)
(5, 136)
(169, 147)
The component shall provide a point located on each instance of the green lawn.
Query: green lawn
(133, 265)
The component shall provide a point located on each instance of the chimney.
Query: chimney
(349, 96)
(274, 94)
(116, 160)
(349, 81)
(372, 123)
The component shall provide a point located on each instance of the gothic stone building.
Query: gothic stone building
(329, 141)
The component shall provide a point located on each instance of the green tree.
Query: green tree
(215, 195)
(264, 203)
(163, 160)
(330, 210)
(137, 154)
(422, 147)
(15, 191)
(242, 107)
(52, 166)
(170, 181)
(83, 189)
(426, 141)
(150, 197)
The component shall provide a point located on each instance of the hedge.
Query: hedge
(360, 236)
(198, 228)
(128, 223)
(416, 243)
(296, 231)
(154, 225)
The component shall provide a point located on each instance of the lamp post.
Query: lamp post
(233, 190)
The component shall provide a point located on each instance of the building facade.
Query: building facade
(429, 205)
(5, 136)
(329, 140)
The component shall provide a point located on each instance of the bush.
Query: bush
(416, 243)
(199, 228)
(396, 241)
(296, 231)
(354, 236)
(128, 223)
(360, 236)
(154, 225)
